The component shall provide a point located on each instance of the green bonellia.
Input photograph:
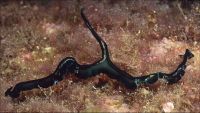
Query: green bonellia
(104, 65)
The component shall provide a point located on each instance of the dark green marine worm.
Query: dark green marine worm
(104, 65)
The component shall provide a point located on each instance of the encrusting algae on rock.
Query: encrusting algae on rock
(36, 35)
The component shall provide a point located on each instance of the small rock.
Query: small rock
(145, 91)
(168, 107)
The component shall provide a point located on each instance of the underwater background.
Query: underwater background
(143, 36)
